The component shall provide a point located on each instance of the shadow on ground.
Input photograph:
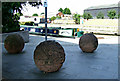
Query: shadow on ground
(102, 64)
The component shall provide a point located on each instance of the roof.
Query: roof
(102, 6)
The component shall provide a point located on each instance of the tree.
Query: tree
(60, 10)
(35, 14)
(76, 17)
(100, 15)
(111, 14)
(53, 18)
(67, 11)
(42, 13)
(10, 19)
(58, 17)
(87, 16)
(17, 16)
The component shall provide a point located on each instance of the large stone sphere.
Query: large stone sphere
(49, 56)
(88, 42)
(14, 43)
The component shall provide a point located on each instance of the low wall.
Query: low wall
(24, 34)
(102, 26)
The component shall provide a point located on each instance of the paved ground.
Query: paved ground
(102, 64)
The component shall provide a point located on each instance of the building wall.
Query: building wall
(94, 12)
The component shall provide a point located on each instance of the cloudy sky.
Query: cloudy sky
(76, 6)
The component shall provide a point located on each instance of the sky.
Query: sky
(76, 6)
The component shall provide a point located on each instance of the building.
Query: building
(35, 19)
(67, 17)
(94, 10)
(60, 14)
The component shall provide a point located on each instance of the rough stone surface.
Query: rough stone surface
(88, 42)
(14, 43)
(49, 56)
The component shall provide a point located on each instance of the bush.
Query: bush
(21, 23)
(53, 18)
(87, 16)
(76, 17)
(27, 23)
(58, 17)
(35, 14)
(100, 15)
(111, 14)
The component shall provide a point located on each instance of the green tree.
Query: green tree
(76, 17)
(10, 19)
(67, 11)
(111, 14)
(42, 13)
(35, 14)
(60, 10)
(87, 16)
(17, 16)
(53, 18)
(100, 15)
(58, 17)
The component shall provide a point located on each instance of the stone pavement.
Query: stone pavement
(102, 64)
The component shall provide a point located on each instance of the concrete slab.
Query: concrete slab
(102, 64)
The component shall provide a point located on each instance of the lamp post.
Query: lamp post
(45, 5)
(46, 49)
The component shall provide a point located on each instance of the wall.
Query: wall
(94, 12)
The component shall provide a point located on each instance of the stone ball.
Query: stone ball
(49, 56)
(88, 42)
(14, 43)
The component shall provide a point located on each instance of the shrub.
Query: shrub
(111, 14)
(100, 15)
(29, 23)
(53, 18)
(58, 17)
(76, 17)
(26, 23)
(87, 16)
(35, 14)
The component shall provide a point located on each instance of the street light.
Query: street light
(47, 48)
(45, 5)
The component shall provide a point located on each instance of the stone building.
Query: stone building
(94, 10)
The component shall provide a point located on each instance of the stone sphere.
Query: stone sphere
(49, 56)
(88, 42)
(14, 43)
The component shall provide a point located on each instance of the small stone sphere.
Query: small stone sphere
(88, 42)
(49, 56)
(14, 43)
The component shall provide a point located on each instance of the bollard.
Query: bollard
(49, 56)
(14, 43)
(88, 42)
